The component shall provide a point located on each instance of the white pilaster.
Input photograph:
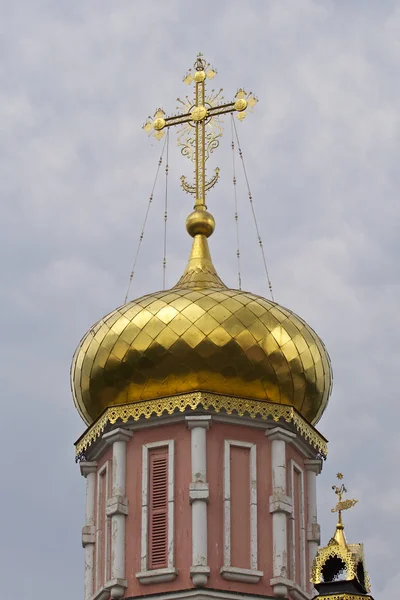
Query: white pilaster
(198, 495)
(313, 468)
(117, 509)
(280, 505)
(88, 470)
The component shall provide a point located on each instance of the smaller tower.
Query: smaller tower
(338, 571)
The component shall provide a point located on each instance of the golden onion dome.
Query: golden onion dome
(201, 336)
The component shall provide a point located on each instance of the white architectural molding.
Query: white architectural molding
(102, 594)
(102, 562)
(157, 576)
(295, 468)
(229, 571)
(198, 496)
(313, 468)
(206, 594)
(88, 470)
(146, 575)
(297, 593)
(279, 437)
(239, 574)
(117, 509)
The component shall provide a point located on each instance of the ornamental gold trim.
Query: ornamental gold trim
(351, 556)
(330, 552)
(345, 596)
(228, 404)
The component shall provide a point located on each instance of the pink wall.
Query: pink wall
(240, 515)
(240, 507)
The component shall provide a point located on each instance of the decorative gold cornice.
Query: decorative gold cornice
(344, 596)
(228, 404)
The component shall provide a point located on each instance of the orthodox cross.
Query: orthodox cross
(342, 504)
(200, 129)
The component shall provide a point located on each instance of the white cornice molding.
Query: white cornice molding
(281, 434)
(203, 421)
(205, 594)
(87, 467)
(121, 434)
(314, 465)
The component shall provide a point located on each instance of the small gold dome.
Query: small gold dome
(200, 335)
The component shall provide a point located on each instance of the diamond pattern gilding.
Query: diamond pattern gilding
(167, 313)
(142, 319)
(193, 312)
(289, 350)
(200, 336)
(154, 327)
(231, 304)
(180, 324)
(155, 306)
(219, 313)
(193, 336)
(180, 303)
(206, 303)
(307, 359)
(119, 325)
(166, 338)
(207, 323)
(300, 343)
(130, 313)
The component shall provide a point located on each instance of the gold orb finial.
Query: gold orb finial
(240, 104)
(199, 76)
(200, 222)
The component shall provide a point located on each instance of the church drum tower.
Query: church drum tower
(201, 453)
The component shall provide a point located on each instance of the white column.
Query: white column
(198, 495)
(313, 468)
(117, 509)
(88, 470)
(280, 506)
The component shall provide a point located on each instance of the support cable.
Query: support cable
(253, 211)
(236, 211)
(144, 223)
(165, 215)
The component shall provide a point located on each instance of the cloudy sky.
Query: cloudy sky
(77, 81)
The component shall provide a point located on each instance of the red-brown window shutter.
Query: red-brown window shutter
(158, 508)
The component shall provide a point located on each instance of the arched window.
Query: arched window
(334, 569)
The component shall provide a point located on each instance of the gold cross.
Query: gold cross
(200, 126)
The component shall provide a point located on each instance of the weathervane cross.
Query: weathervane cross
(200, 127)
(342, 504)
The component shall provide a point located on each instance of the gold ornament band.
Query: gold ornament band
(345, 596)
(228, 404)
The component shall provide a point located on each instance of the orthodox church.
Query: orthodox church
(201, 451)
